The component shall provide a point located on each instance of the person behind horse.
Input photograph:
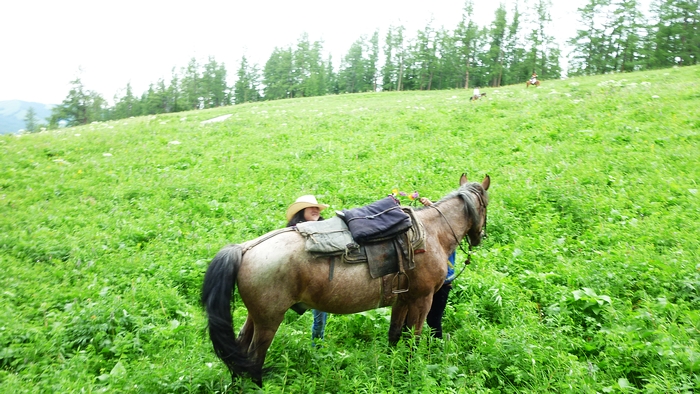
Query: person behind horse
(307, 209)
(437, 308)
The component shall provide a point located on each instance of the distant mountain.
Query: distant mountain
(12, 114)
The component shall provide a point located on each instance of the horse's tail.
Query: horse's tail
(219, 282)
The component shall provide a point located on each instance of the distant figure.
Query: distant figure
(477, 95)
(532, 81)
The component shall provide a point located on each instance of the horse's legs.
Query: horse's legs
(398, 318)
(256, 339)
(262, 338)
(417, 313)
(245, 336)
(408, 316)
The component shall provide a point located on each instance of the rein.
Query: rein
(459, 242)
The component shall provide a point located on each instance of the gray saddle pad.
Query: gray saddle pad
(326, 237)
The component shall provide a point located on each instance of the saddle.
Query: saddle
(388, 256)
(383, 219)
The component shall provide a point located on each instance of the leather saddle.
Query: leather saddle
(388, 258)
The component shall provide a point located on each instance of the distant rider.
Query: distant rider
(533, 79)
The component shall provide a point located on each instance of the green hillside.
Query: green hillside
(589, 280)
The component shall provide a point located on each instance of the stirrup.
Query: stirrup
(396, 278)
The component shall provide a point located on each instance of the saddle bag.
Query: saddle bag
(326, 237)
(383, 219)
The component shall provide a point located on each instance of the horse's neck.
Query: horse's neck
(455, 219)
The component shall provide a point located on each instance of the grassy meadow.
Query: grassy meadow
(589, 281)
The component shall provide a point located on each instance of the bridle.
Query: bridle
(482, 204)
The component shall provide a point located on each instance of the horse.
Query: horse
(477, 96)
(274, 272)
(529, 82)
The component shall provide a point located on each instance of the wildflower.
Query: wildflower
(397, 194)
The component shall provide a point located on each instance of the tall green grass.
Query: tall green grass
(589, 280)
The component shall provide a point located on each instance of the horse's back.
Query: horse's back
(280, 269)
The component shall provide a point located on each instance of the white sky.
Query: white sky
(46, 42)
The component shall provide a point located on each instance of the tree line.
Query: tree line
(617, 37)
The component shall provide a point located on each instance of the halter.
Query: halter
(459, 242)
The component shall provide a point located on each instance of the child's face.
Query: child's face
(311, 214)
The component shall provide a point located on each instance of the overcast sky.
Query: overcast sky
(44, 43)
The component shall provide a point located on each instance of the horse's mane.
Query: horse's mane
(464, 192)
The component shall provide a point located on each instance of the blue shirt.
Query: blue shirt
(451, 266)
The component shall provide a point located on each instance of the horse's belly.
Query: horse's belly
(351, 290)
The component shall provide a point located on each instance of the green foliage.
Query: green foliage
(246, 88)
(619, 37)
(80, 107)
(588, 280)
(31, 121)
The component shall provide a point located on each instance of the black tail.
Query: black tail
(219, 282)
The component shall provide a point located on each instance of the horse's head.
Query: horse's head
(478, 192)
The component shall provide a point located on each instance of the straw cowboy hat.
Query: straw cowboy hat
(302, 203)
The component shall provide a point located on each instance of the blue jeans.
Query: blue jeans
(319, 324)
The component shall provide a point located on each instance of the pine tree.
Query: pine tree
(30, 120)
(514, 53)
(371, 71)
(425, 58)
(677, 33)
(351, 76)
(495, 55)
(389, 68)
(544, 54)
(466, 37)
(278, 75)
(330, 77)
(190, 86)
(308, 73)
(625, 38)
(448, 70)
(246, 87)
(213, 89)
(174, 93)
(126, 106)
(79, 107)
(589, 44)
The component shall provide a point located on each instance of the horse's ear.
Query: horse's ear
(463, 179)
(486, 182)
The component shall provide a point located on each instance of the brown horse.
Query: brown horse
(528, 83)
(275, 272)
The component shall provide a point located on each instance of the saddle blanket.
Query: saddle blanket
(383, 219)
